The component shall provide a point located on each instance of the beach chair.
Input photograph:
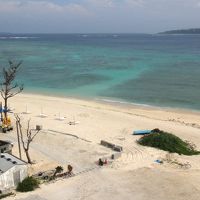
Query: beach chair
(42, 115)
(26, 111)
(74, 122)
(60, 118)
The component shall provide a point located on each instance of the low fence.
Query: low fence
(111, 146)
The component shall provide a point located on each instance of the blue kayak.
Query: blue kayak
(141, 132)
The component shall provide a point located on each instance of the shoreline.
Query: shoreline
(184, 117)
(118, 103)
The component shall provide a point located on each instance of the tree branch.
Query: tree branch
(13, 94)
(29, 136)
(34, 134)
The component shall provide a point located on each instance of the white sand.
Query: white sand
(134, 176)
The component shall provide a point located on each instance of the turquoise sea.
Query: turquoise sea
(158, 70)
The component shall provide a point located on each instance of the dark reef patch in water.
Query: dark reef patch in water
(69, 82)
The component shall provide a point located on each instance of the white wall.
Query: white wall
(7, 179)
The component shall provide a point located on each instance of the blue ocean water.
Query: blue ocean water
(158, 70)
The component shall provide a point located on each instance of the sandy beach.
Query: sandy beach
(135, 175)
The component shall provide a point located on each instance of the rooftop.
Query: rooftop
(7, 161)
(4, 142)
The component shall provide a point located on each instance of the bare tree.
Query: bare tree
(8, 87)
(1, 108)
(27, 137)
(18, 138)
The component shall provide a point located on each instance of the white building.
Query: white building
(12, 171)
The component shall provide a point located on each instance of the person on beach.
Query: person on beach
(70, 168)
(100, 162)
(105, 161)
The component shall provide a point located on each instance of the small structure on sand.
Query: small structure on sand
(12, 171)
(111, 146)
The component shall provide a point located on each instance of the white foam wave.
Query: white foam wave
(16, 37)
(123, 102)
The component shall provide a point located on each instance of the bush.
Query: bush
(28, 184)
(167, 142)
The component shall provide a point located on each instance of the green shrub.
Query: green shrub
(28, 184)
(167, 142)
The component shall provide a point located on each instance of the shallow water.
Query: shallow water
(160, 70)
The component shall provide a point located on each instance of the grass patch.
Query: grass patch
(28, 184)
(167, 142)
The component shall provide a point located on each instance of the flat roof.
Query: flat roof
(7, 161)
(2, 142)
